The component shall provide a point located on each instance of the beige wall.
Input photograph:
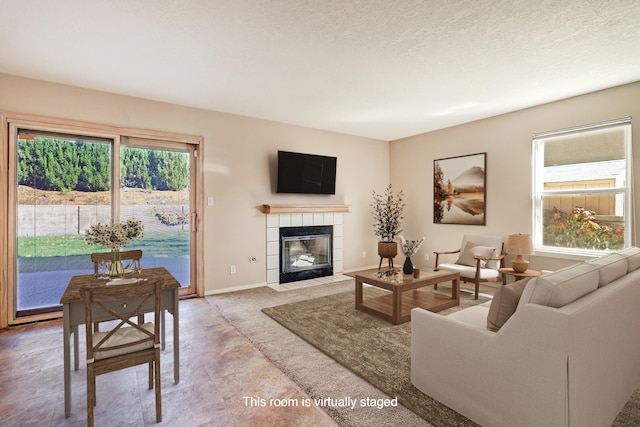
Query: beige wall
(239, 169)
(507, 141)
(240, 157)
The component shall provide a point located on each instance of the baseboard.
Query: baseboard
(366, 267)
(234, 289)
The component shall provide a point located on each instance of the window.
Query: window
(582, 188)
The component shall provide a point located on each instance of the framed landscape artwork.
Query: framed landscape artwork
(459, 189)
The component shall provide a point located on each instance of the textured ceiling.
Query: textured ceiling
(384, 69)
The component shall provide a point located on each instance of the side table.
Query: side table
(518, 276)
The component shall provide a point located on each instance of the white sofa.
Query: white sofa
(568, 356)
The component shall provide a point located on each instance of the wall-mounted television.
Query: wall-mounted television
(306, 173)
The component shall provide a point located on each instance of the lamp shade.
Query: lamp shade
(520, 244)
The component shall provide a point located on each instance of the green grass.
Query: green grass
(170, 244)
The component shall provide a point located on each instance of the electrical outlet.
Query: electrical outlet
(233, 269)
(426, 256)
(364, 254)
(209, 201)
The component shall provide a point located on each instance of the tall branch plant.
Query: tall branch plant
(387, 214)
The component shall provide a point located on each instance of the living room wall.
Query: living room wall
(507, 140)
(240, 157)
(239, 164)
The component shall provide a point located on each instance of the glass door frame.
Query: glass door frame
(11, 122)
(146, 143)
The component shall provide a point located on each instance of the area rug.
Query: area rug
(376, 350)
(321, 376)
(317, 374)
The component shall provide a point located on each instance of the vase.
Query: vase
(117, 268)
(407, 268)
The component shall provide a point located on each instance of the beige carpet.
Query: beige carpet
(317, 374)
(376, 350)
(321, 376)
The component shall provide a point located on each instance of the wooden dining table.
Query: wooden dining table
(73, 316)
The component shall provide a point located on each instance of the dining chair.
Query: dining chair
(133, 256)
(102, 260)
(123, 346)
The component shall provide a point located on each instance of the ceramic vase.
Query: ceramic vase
(407, 268)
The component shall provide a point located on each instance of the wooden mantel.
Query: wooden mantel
(276, 209)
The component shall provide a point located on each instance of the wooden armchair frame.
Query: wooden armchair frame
(476, 279)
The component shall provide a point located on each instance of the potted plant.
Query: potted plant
(387, 214)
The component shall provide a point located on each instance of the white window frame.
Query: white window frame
(539, 192)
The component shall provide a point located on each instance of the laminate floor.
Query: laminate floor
(223, 379)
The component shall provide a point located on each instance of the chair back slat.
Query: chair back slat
(104, 299)
(134, 257)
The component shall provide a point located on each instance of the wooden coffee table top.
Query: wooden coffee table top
(405, 293)
(393, 278)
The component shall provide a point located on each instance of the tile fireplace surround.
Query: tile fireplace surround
(300, 219)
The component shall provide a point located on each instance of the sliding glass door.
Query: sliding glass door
(64, 183)
(63, 186)
(156, 188)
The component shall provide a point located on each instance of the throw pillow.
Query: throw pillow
(471, 251)
(504, 304)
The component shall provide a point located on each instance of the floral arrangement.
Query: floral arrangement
(114, 236)
(410, 247)
(387, 214)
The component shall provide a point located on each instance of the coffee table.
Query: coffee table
(406, 294)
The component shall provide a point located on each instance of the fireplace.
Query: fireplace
(287, 216)
(305, 252)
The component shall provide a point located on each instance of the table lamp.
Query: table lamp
(520, 244)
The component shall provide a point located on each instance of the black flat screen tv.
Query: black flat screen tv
(306, 173)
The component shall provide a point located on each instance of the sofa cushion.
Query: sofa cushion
(470, 251)
(633, 258)
(474, 317)
(610, 267)
(504, 304)
(562, 286)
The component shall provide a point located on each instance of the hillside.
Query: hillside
(470, 180)
(134, 196)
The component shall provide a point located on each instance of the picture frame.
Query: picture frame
(459, 190)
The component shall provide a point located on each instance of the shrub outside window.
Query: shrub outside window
(582, 188)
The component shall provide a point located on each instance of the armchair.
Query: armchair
(479, 260)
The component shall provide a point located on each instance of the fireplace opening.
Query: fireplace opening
(305, 252)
